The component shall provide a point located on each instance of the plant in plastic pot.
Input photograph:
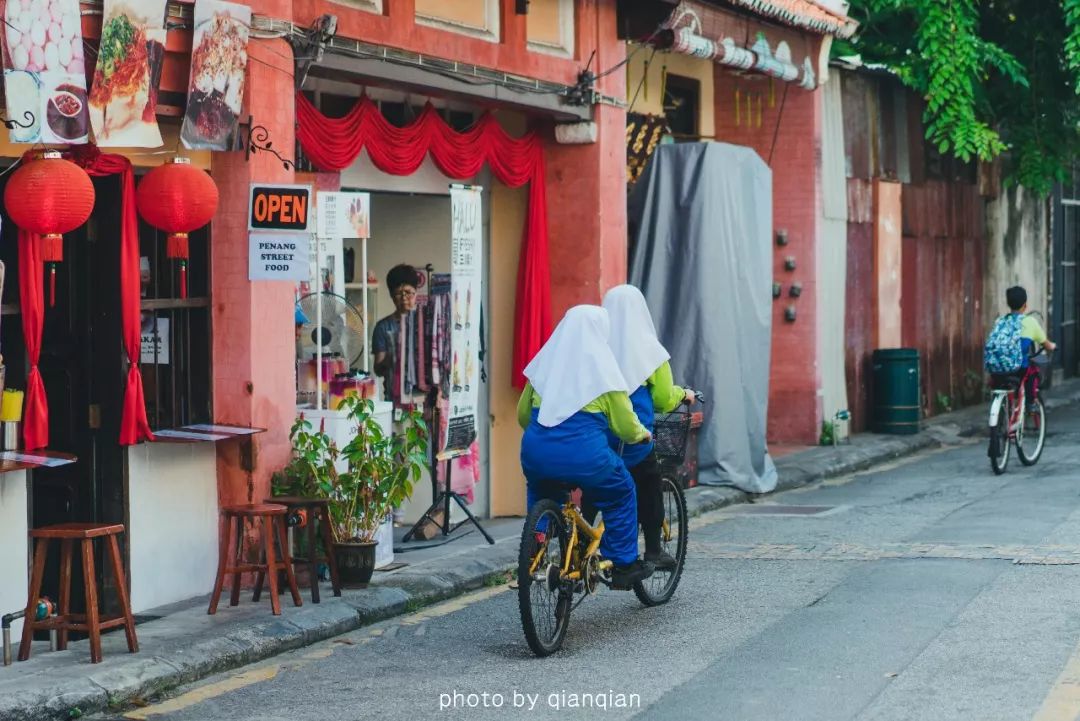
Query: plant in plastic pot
(382, 469)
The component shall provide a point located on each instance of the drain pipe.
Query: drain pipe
(5, 624)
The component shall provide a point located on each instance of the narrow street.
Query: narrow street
(929, 589)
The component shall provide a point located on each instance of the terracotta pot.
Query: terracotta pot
(355, 562)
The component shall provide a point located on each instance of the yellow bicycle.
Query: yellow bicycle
(559, 561)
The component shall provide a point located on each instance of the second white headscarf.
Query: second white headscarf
(633, 338)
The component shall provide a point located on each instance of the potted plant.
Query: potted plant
(381, 469)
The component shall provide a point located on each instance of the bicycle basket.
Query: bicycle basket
(670, 435)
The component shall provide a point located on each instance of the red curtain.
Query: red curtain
(32, 304)
(134, 426)
(332, 144)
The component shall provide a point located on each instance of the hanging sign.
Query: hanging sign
(278, 256)
(44, 72)
(123, 97)
(279, 207)
(466, 272)
(344, 215)
(155, 341)
(218, 63)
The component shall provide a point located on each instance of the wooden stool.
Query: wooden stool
(272, 518)
(66, 621)
(316, 509)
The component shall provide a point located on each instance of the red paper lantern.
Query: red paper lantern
(50, 196)
(177, 199)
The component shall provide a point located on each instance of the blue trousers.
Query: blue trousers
(576, 453)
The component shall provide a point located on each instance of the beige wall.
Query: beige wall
(507, 220)
(1018, 253)
(471, 13)
(140, 157)
(649, 99)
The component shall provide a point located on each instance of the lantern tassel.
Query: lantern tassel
(52, 248)
(183, 279)
(176, 246)
(52, 285)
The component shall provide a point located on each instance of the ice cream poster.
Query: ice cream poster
(218, 65)
(123, 95)
(45, 71)
(466, 290)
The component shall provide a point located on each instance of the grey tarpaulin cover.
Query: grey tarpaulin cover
(701, 252)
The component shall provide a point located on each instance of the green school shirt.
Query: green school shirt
(666, 396)
(1030, 329)
(614, 405)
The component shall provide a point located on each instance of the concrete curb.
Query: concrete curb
(172, 662)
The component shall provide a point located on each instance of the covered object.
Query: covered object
(701, 252)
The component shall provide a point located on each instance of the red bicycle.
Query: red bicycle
(1016, 418)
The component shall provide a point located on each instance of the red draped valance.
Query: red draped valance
(134, 425)
(332, 144)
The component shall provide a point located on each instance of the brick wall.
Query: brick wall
(782, 123)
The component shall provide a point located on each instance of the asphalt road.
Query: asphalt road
(926, 590)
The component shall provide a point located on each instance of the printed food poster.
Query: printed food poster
(123, 95)
(45, 71)
(466, 284)
(218, 64)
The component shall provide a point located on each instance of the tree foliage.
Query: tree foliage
(998, 76)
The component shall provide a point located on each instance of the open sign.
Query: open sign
(279, 207)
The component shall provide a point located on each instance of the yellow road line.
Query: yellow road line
(203, 693)
(1062, 703)
(324, 649)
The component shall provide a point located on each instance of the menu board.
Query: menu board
(218, 64)
(45, 71)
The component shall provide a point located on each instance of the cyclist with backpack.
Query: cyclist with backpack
(1015, 338)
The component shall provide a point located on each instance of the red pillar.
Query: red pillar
(586, 190)
(253, 336)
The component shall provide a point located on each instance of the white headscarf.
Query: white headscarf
(575, 366)
(633, 336)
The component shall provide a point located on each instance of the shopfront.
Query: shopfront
(214, 349)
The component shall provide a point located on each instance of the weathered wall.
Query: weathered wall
(1017, 251)
(927, 293)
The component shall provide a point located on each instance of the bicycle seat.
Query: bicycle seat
(1004, 381)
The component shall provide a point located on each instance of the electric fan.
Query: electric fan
(341, 330)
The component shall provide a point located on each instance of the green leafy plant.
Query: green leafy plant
(382, 469)
(999, 78)
(311, 472)
(944, 403)
(828, 433)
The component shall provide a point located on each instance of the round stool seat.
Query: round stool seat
(256, 509)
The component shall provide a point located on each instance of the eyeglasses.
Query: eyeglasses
(405, 294)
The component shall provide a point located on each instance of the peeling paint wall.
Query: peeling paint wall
(1018, 251)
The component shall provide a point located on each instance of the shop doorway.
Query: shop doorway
(415, 229)
(1066, 305)
(82, 367)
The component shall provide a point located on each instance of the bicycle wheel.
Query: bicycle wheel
(658, 588)
(999, 439)
(1030, 442)
(544, 600)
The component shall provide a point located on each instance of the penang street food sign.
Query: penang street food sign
(279, 217)
(279, 207)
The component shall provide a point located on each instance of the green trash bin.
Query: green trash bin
(896, 409)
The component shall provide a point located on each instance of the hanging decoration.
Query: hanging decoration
(332, 144)
(49, 196)
(134, 425)
(177, 198)
(219, 58)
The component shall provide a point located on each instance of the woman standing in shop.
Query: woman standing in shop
(401, 281)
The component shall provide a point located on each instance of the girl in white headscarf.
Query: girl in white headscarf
(575, 396)
(644, 364)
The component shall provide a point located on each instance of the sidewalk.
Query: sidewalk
(181, 643)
